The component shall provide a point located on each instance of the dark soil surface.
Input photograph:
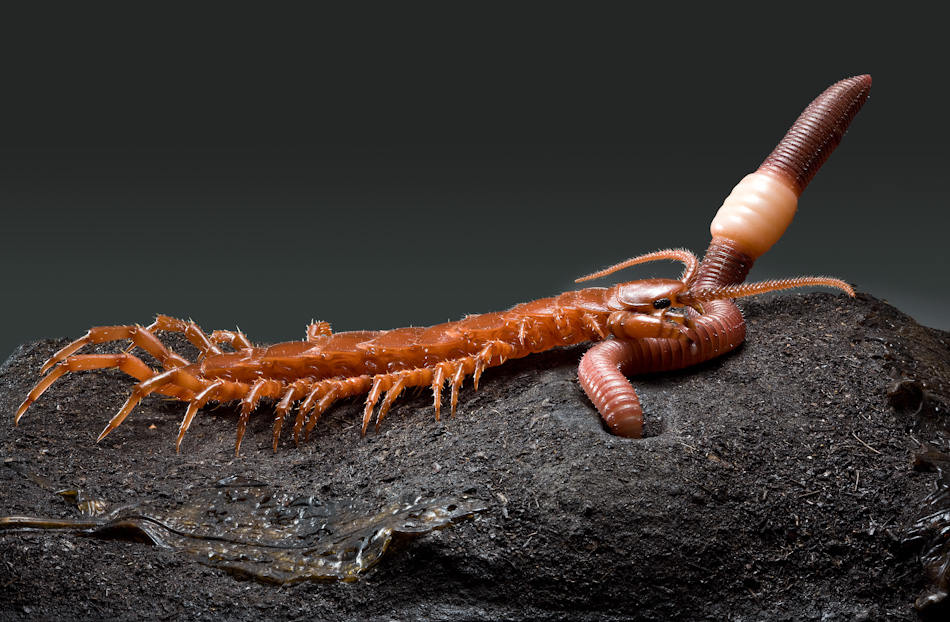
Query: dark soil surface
(776, 485)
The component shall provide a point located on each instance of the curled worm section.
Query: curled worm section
(603, 369)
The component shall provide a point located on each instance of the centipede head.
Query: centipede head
(653, 296)
(649, 296)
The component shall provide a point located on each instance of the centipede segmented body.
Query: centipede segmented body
(642, 326)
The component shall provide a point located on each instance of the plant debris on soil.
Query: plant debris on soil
(797, 478)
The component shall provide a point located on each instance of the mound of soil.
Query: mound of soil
(776, 484)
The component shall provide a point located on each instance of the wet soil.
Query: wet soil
(775, 485)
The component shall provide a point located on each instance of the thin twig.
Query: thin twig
(863, 443)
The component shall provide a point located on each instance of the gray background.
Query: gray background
(377, 174)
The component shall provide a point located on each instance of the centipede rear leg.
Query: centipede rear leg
(66, 361)
(207, 344)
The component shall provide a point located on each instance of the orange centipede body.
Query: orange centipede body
(650, 325)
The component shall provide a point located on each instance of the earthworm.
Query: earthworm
(634, 321)
(752, 218)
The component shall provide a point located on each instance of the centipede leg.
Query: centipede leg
(203, 397)
(603, 370)
(140, 337)
(321, 407)
(175, 377)
(131, 365)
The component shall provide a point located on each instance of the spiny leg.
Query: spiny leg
(236, 339)
(203, 397)
(438, 381)
(322, 395)
(345, 387)
(65, 360)
(127, 363)
(395, 383)
(391, 395)
(593, 327)
(317, 391)
(380, 384)
(318, 329)
(140, 337)
(475, 365)
(176, 377)
(218, 390)
(498, 350)
(456, 370)
(261, 388)
(457, 379)
(206, 344)
(293, 393)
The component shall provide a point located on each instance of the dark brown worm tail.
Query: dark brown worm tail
(817, 132)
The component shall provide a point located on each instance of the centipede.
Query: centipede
(636, 327)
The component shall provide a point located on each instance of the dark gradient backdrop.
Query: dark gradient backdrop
(376, 178)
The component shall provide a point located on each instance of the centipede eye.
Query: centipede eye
(662, 303)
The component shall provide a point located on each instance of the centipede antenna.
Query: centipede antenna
(762, 287)
(688, 259)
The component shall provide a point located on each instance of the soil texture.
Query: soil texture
(776, 483)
